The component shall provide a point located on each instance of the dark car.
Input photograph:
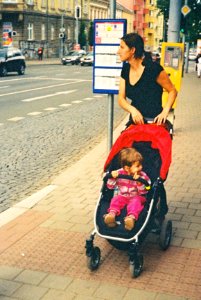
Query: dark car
(73, 57)
(11, 60)
(87, 60)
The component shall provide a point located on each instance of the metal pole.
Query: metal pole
(47, 28)
(186, 59)
(110, 96)
(76, 25)
(174, 20)
(77, 31)
(187, 48)
(61, 43)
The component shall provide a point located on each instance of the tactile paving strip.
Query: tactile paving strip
(63, 253)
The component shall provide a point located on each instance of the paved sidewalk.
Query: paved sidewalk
(42, 254)
(45, 61)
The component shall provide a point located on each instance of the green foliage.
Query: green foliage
(91, 34)
(82, 40)
(192, 20)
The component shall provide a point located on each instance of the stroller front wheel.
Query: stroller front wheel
(93, 261)
(136, 268)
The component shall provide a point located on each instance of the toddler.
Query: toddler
(131, 193)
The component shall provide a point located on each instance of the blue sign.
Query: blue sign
(107, 64)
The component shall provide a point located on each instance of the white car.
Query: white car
(87, 60)
(73, 58)
(192, 56)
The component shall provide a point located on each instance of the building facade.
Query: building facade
(39, 23)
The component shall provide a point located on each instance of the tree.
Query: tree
(91, 34)
(163, 6)
(82, 40)
(192, 20)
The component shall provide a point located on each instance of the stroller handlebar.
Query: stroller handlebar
(129, 177)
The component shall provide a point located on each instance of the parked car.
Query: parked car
(11, 60)
(73, 57)
(192, 56)
(87, 60)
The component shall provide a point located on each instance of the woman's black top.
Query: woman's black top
(146, 93)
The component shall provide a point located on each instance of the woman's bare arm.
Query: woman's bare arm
(166, 84)
(123, 103)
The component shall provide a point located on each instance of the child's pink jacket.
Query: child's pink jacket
(128, 188)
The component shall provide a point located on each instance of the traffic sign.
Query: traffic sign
(185, 10)
(61, 35)
(62, 29)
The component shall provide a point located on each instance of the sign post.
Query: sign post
(185, 10)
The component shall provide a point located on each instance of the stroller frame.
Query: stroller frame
(153, 222)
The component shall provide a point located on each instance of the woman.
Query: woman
(143, 83)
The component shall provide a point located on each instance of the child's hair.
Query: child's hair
(128, 156)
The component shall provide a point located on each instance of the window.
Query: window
(52, 32)
(30, 29)
(43, 3)
(62, 4)
(68, 32)
(52, 4)
(69, 5)
(43, 32)
(30, 2)
(151, 25)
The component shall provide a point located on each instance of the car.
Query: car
(73, 58)
(192, 56)
(11, 60)
(87, 60)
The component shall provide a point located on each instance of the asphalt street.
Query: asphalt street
(49, 119)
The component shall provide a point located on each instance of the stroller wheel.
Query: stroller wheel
(93, 261)
(136, 268)
(165, 234)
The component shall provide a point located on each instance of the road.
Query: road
(49, 118)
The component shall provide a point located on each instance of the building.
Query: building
(39, 23)
(148, 23)
(153, 29)
(51, 24)
(125, 11)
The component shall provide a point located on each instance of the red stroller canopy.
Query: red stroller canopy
(159, 137)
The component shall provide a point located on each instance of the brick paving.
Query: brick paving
(42, 254)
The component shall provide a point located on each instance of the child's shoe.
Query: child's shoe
(129, 222)
(109, 219)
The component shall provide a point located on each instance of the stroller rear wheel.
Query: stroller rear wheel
(165, 234)
(93, 261)
(136, 267)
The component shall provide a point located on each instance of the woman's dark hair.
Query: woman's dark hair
(134, 40)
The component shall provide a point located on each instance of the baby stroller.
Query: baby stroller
(154, 143)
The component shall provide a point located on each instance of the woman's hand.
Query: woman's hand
(136, 116)
(161, 118)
